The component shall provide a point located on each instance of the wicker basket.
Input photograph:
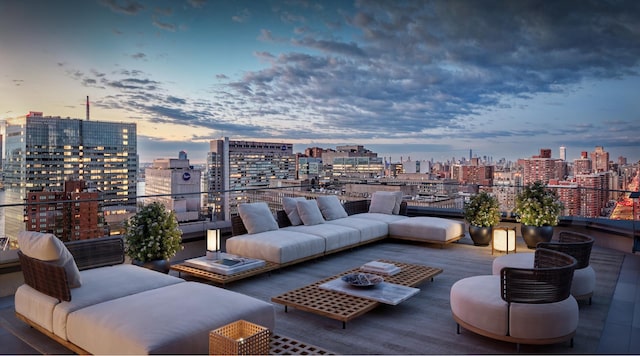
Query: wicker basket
(239, 338)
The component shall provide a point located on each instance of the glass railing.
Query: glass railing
(611, 210)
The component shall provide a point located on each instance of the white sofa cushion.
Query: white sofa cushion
(335, 236)
(427, 228)
(279, 246)
(387, 218)
(543, 321)
(35, 306)
(47, 247)
(175, 319)
(331, 207)
(369, 229)
(107, 283)
(290, 206)
(257, 217)
(309, 212)
(382, 201)
(476, 300)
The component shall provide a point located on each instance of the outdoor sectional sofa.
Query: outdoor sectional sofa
(84, 297)
(310, 228)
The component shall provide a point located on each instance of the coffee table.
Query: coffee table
(344, 307)
(219, 278)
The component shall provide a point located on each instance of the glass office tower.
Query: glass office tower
(41, 152)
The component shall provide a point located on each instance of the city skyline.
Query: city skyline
(425, 80)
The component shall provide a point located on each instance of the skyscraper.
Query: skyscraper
(563, 153)
(44, 151)
(234, 165)
(599, 160)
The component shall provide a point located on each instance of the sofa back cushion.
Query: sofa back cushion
(47, 247)
(331, 208)
(386, 202)
(309, 212)
(291, 208)
(257, 217)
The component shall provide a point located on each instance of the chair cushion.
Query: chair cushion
(543, 321)
(257, 217)
(309, 212)
(331, 208)
(425, 228)
(476, 300)
(584, 282)
(290, 206)
(518, 260)
(47, 247)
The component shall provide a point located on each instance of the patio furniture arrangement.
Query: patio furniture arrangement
(345, 307)
(310, 228)
(521, 305)
(572, 243)
(115, 308)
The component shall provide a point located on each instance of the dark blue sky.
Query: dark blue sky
(417, 79)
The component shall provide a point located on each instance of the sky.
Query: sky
(405, 79)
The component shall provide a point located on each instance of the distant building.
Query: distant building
(236, 165)
(563, 153)
(72, 214)
(42, 152)
(543, 168)
(176, 185)
(599, 160)
(594, 193)
(582, 165)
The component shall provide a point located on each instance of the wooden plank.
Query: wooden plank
(221, 278)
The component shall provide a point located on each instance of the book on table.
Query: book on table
(381, 268)
(225, 263)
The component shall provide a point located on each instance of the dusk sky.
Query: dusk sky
(419, 79)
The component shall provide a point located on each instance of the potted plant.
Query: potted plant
(152, 236)
(538, 211)
(482, 212)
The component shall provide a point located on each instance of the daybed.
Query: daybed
(99, 305)
(309, 228)
(521, 305)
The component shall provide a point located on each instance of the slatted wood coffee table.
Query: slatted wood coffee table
(222, 279)
(344, 307)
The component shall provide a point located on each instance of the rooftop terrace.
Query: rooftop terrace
(422, 324)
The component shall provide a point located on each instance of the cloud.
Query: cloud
(163, 25)
(243, 16)
(129, 7)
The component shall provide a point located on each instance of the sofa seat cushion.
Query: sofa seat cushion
(543, 321)
(335, 236)
(387, 218)
(424, 228)
(476, 301)
(107, 283)
(175, 319)
(369, 229)
(37, 307)
(279, 246)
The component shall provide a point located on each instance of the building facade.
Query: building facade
(236, 165)
(176, 185)
(42, 152)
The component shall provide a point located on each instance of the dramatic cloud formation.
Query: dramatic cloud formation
(409, 77)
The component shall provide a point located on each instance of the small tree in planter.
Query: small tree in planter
(482, 212)
(152, 236)
(538, 210)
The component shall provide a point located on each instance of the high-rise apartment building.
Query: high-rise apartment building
(599, 160)
(72, 214)
(237, 165)
(42, 152)
(582, 165)
(543, 168)
(594, 195)
(176, 185)
(563, 153)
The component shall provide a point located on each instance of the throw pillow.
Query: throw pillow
(47, 247)
(257, 217)
(291, 209)
(309, 212)
(331, 208)
(386, 202)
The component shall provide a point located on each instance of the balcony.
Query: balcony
(423, 324)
